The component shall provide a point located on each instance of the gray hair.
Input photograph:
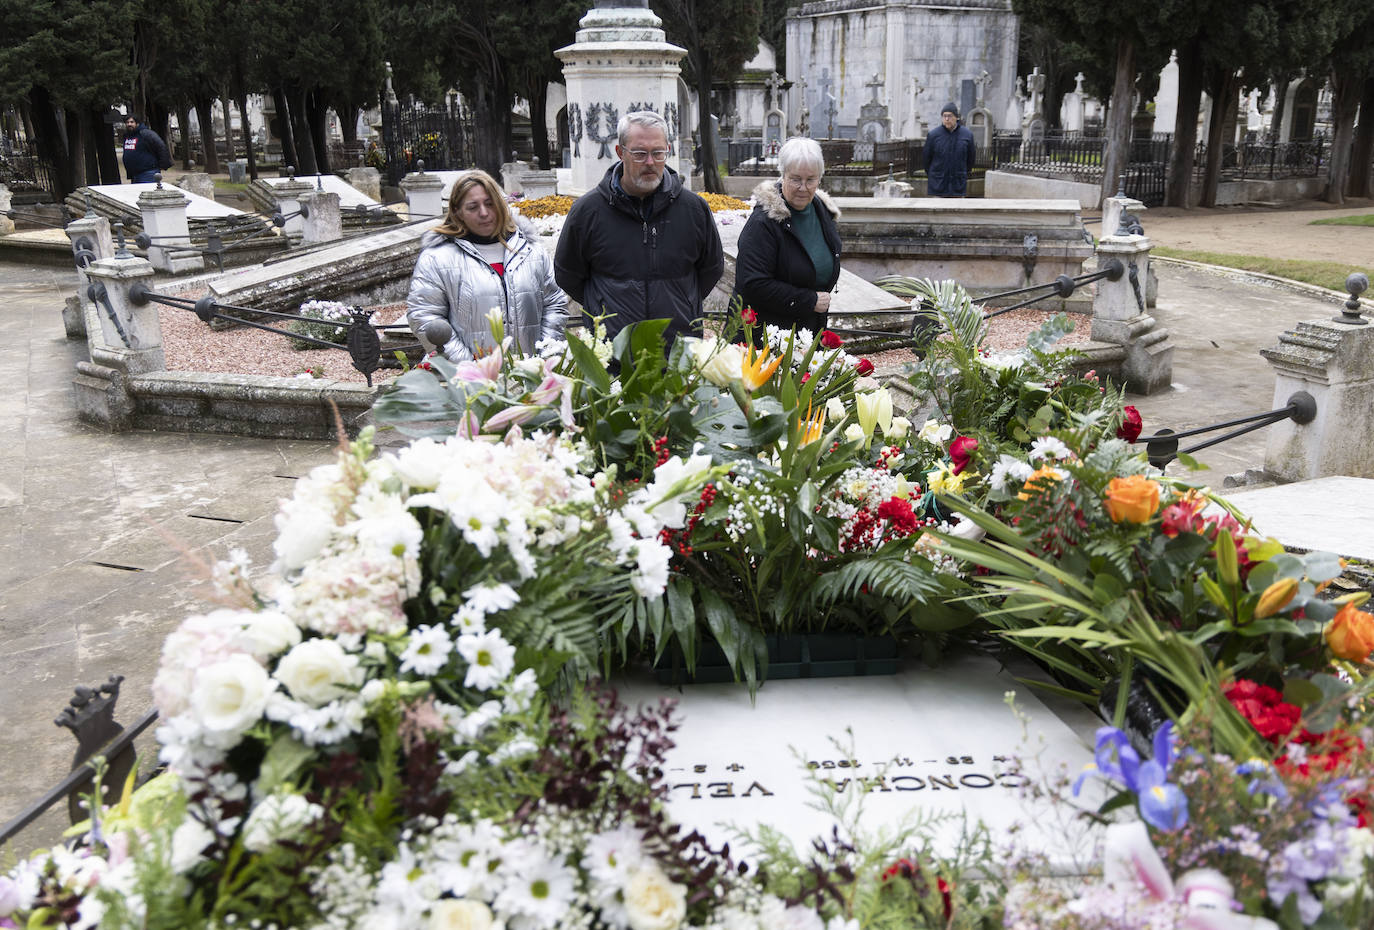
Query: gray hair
(646, 118)
(800, 152)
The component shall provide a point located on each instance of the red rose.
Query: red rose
(960, 451)
(806, 376)
(898, 513)
(830, 340)
(1131, 424)
(865, 367)
(750, 317)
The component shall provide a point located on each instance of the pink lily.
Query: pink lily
(511, 415)
(486, 368)
(1204, 897)
(469, 426)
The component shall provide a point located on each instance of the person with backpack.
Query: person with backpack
(145, 154)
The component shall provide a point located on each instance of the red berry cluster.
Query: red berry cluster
(660, 448)
(889, 452)
(677, 539)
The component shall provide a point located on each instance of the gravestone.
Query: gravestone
(1166, 98)
(367, 181)
(936, 741)
(1014, 107)
(197, 182)
(773, 131)
(510, 175)
(874, 123)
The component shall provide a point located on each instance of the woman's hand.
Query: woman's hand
(822, 301)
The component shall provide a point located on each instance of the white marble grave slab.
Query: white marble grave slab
(199, 208)
(920, 742)
(349, 196)
(1333, 514)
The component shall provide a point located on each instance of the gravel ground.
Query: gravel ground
(190, 345)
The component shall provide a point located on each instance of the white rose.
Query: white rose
(722, 366)
(422, 463)
(279, 817)
(301, 535)
(230, 696)
(900, 427)
(460, 914)
(834, 409)
(652, 902)
(267, 633)
(854, 432)
(317, 671)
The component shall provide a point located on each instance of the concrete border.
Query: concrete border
(1301, 287)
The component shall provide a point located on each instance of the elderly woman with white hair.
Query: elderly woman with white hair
(789, 251)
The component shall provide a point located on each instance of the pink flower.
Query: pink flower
(961, 451)
(485, 368)
(749, 316)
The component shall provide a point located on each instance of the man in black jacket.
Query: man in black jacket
(145, 154)
(640, 246)
(949, 155)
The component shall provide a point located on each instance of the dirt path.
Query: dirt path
(1276, 233)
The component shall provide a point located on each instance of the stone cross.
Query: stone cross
(875, 83)
(982, 80)
(1035, 83)
(390, 91)
(830, 111)
(774, 85)
(1078, 80)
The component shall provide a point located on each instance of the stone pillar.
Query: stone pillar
(424, 195)
(6, 203)
(1114, 208)
(620, 61)
(1119, 314)
(324, 224)
(130, 336)
(1332, 360)
(164, 222)
(891, 187)
(367, 181)
(198, 183)
(288, 195)
(91, 241)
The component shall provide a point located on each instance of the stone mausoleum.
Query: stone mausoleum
(923, 53)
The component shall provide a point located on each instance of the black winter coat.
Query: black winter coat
(613, 260)
(949, 156)
(773, 272)
(144, 151)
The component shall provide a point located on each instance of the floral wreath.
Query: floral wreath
(575, 128)
(594, 120)
(670, 117)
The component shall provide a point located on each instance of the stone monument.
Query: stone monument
(1119, 307)
(620, 59)
(169, 234)
(874, 123)
(1071, 111)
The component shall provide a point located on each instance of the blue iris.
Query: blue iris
(1162, 805)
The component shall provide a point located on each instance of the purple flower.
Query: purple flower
(1162, 805)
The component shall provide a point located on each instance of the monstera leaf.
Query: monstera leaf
(716, 420)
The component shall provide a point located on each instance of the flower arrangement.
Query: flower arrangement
(329, 312)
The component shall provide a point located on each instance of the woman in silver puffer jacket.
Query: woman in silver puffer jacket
(476, 260)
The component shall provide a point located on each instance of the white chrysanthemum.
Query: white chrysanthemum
(651, 568)
(1009, 473)
(536, 886)
(468, 619)
(1048, 447)
(490, 598)
(490, 659)
(520, 692)
(427, 651)
(609, 859)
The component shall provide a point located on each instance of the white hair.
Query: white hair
(800, 152)
(646, 118)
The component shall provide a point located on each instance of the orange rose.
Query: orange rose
(1038, 481)
(1133, 499)
(1350, 634)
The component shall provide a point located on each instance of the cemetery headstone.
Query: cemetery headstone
(367, 180)
(197, 182)
(772, 131)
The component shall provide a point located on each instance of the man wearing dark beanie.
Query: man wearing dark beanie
(949, 155)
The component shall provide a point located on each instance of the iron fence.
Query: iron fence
(442, 135)
(22, 168)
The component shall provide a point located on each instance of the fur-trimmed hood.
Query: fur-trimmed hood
(768, 195)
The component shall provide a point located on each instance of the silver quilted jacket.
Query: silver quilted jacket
(453, 282)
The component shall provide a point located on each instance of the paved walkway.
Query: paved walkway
(97, 527)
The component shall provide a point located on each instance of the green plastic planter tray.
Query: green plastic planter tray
(793, 655)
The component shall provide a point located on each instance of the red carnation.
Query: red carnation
(830, 340)
(1131, 424)
(897, 512)
(865, 367)
(750, 317)
(960, 451)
